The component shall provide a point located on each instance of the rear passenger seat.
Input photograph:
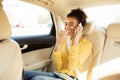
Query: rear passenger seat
(110, 63)
(97, 37)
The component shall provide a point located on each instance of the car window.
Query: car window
(27, 19)
(104, 15)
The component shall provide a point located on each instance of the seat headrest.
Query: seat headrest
(88, 28)
(5, 30)
(113, 30)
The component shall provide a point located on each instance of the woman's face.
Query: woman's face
(71, 24)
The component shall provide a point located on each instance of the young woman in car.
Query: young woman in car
(71, 49)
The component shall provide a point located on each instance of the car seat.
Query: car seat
(110, 63)
(11, 64)
(97, 37)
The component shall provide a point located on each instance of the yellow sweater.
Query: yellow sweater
(67, 62)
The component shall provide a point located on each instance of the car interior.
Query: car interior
(34, 52)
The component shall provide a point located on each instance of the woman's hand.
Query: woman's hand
(60, 39)
(79, 34)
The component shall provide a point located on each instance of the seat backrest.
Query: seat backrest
(110, 63)
(97, 37)
(11, 64)
(112, 44)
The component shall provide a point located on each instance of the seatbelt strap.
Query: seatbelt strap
(80, 76)
(68, 47)
(68, 44)
(52, 48)
(51, 52)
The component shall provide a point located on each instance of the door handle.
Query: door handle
(116, 43)
(24, 47)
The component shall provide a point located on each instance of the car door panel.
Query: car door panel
(38, 49)
(35, 42)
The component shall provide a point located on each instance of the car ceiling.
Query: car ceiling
(63, 6)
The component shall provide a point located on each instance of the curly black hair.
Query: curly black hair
(79, 14)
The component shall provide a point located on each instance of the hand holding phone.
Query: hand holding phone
(79, 33)
(78, 28)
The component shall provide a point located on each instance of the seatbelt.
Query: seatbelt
(68, 44)
(51, 51)
(68, 47)
(52, 48)
(80, 76)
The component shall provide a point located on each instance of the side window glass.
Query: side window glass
(104, 15)
(27, 19)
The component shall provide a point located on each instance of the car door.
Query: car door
(36, 49)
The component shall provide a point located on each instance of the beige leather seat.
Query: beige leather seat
(11, 64)
(110, 63)
(97, 37)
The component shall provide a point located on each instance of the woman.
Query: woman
(71, 49)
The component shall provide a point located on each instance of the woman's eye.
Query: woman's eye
(70, 25)
(65, 24)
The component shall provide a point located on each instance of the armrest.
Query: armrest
(37, 65)
(110, 69)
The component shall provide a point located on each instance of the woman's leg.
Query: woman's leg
(44, 78)
(28, 75)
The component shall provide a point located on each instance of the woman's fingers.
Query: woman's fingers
(62, 35)
(78, 35)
